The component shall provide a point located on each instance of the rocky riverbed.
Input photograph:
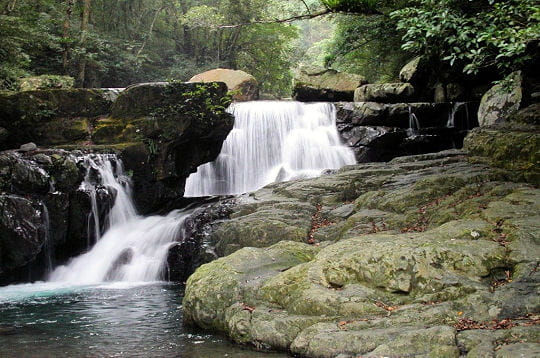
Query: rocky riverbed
(428, 255)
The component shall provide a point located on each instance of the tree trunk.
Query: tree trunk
(65, 36)
(84, 30)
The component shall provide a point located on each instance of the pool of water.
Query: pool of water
(110, 320)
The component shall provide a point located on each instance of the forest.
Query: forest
(114, 43)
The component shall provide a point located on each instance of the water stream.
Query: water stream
(272, 141)
(111, 300)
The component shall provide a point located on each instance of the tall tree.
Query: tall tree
(87, 5)
(66, 33)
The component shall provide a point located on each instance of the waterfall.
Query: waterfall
(414, 123)
(451, 123)
(133, 248)
(272, 141)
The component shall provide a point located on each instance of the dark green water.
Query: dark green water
(113, 320)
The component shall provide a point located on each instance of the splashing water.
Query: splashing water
(272, 141)
(134, 248)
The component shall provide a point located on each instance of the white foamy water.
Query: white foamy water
(272, 141)
(134, 248)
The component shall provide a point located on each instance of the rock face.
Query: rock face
(385, 93)
(50, 117)
(312, 84)
(244, 87)
(165, 131)
(43, 216)
(380, 132)
(501, 101)
(410, 257)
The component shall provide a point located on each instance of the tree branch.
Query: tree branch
(280, 21)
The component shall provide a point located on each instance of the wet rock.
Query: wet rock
(22, 231)
(28, 147)
(244, 87)
(165, 132)
(313, 84)
(124, 258)
(396, 114)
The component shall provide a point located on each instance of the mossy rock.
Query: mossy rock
(45, 82)
(513, 148)
(428, 241)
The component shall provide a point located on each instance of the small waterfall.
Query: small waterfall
(414, 124)
(452, 115)
(272, 141)
(47, 245)
(133, 248)
(105, 172)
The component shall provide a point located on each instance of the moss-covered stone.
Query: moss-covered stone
(322, 84)
(427, 241)
(50, 117)
(514, 148)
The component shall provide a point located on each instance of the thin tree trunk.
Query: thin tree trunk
(150, 30)
(65, 36)
(87, 4)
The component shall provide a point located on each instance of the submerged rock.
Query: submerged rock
(432, 242)
(312, 84)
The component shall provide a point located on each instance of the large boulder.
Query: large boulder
(415, 72)
(385, 93)
(242, 85)
(502, 100)
(313, 84)
(165, 131)
(516, 148)
(428, 255)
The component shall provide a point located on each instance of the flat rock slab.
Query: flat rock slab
(393, 259)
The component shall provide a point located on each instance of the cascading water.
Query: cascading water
(134, 248)
(451, 123)
(414, 123)
(272, 141)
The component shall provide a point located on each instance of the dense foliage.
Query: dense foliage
(115, 43)
(129, 41)
(472, 34)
